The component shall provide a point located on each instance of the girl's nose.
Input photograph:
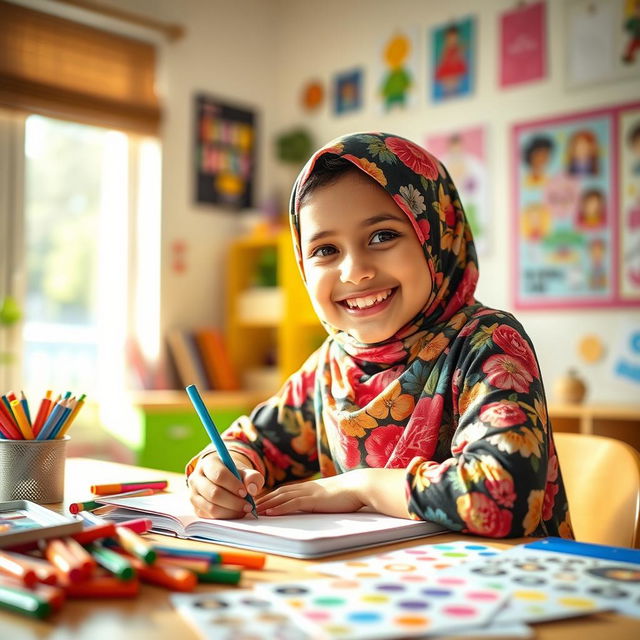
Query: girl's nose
(354, 269)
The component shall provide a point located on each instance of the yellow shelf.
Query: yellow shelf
(288, 332)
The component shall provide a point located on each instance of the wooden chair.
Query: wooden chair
(602, 479)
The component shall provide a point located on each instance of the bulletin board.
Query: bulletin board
(576, 210)
(224, 153)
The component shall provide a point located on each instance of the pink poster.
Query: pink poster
(523, 45)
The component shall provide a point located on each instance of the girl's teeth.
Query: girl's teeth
(369, 301)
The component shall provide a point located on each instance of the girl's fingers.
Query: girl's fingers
(216, 495)
(220, 476)
(293, 505)
(205, 509)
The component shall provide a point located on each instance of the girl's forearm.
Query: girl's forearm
(384, 490)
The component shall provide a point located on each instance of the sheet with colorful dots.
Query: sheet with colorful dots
(546, 585)
(373, 609)
(420, 561)
(236, 615)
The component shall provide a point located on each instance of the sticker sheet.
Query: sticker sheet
(421, 561)
(548, 585)
(236, 615)
(398, 607)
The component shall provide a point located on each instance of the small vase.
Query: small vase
(570, 388)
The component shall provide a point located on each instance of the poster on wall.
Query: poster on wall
(567, 226)
(347, 91)
(603, 41)
(452, 59)
(629, 142)
(224, 153)
(464, 153)
(523, 46)
(397, 71)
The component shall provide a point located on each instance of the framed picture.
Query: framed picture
(348, 91)
(397, 71)
(453, 59)
(224, 153)
(569, 231)
(464, 153)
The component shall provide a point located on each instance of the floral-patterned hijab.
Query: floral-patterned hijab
(364, 386)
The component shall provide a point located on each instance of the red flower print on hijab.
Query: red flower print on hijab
(502, 414)
(413, 156)
(380, 445)
(506, 372)
(375, 385)
(511, 342)
(482, 515)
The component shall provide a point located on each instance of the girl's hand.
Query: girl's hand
(338, 494)
(382, 490)
(216, 493)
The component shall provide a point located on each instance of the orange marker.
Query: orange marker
(13, 567)
(164, 575)
(57, 553)
(45, 572)
(103, 587)
(85, 560)
(106, 489)
(135, 545)
(199, 565)
(248, 559)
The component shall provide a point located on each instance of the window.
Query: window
(91, 230)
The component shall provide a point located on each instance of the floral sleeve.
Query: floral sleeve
(496, 472)
(279, 437)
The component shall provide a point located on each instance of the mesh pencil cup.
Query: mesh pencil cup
(32, 470)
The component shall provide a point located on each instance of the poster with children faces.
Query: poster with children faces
(629, 239)
(565, 213)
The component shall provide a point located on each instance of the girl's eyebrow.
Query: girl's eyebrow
(369, 222)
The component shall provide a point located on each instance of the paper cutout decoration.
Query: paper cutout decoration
(397, 76)
(312, 95)
(523, 54)
(591, 349)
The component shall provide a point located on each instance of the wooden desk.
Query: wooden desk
(150, 616)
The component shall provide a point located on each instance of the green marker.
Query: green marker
(21, 601)
(220, 575)
(112, 561)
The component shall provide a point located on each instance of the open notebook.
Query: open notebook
(305, 535)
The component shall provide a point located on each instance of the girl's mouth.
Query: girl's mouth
(369, 304)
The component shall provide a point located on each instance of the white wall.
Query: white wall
(319, 40)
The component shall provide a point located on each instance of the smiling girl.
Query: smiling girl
(421, 403)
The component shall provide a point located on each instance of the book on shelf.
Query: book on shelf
(216, 360)
(301, 535)
(186, 358)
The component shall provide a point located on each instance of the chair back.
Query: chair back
(602, 479)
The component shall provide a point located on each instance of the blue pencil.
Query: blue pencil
(63, 418)
(50, 422)
(210, 428)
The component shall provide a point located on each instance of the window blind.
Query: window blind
(60, 68)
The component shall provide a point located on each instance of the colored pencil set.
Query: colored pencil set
(108, 560)
(53, 419)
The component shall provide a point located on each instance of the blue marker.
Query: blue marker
(210, 428)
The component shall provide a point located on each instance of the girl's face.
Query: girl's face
(364, 267)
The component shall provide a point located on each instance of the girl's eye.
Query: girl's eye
(323, 251)
(384, 236)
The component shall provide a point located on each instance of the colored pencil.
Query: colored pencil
(43, 412)
(119, 487)
(65, 427)
(23, 423)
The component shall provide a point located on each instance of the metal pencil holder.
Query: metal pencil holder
(32, 470)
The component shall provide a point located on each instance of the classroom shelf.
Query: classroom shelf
(616, 421)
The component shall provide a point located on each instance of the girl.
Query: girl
(422, 403)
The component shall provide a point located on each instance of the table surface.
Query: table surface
(151, 616)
